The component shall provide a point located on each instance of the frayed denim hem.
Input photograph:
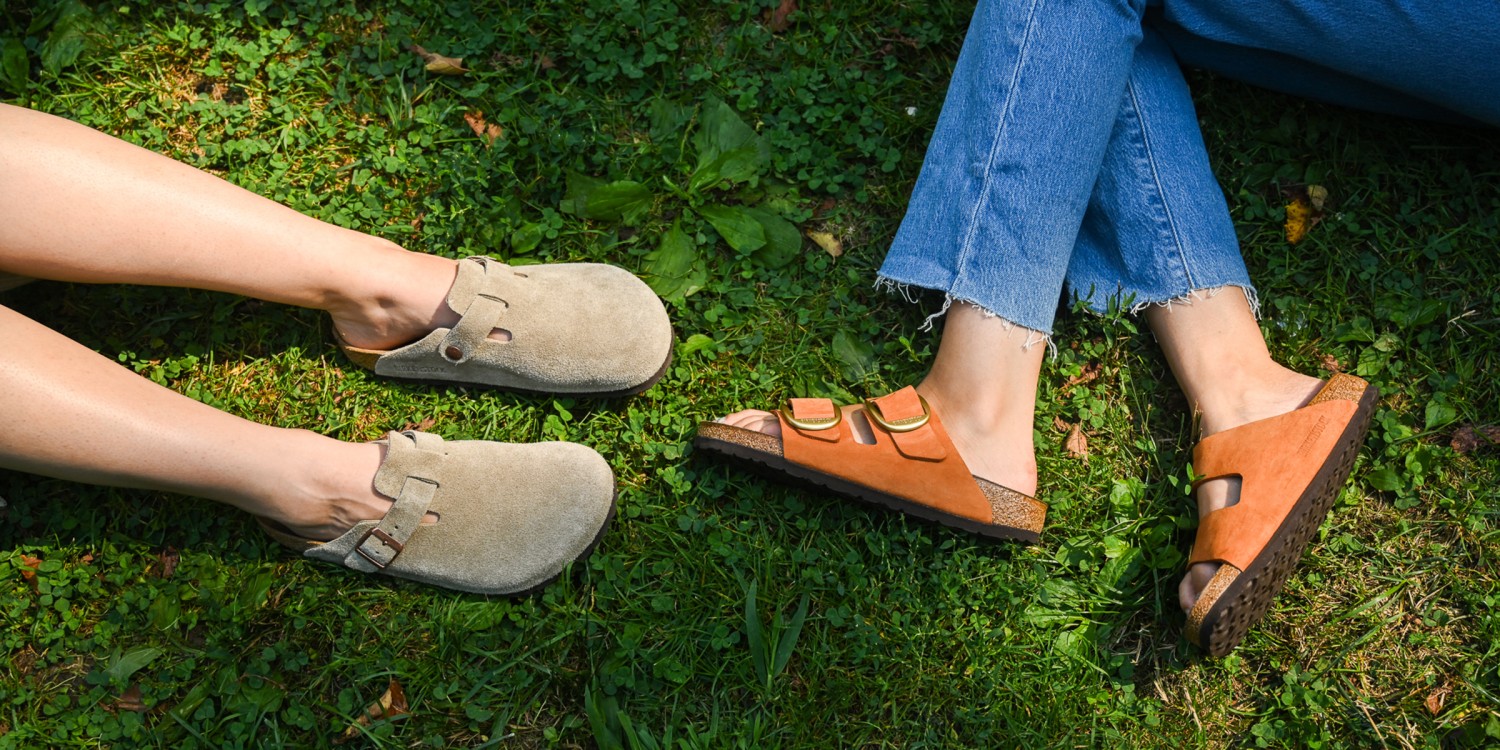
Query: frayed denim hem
(1251, 296)
(1033, 338)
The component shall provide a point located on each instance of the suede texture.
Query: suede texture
(510, 516)
(575, 328)
(917, 466)
(1276, 460)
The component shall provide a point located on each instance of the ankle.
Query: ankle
(997, 444)
(329, 488)
(394, 297)
(1248, 394)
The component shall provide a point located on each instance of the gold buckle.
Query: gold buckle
(811, 425)
(872, 410)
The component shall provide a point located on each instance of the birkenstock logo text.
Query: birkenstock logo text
(418, 370)
(1312, 435)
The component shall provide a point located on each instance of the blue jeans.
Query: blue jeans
(1068, 149)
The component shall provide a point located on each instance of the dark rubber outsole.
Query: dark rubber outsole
(780, 469)
(1247, 599)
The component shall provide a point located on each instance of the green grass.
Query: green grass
(914, 636)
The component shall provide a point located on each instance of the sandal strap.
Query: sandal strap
(912, 458)
(1276, 460)
(412, 461)
(479, 305)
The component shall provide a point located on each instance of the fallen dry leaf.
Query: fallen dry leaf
(828, 242)
(1469, 438)
(390, 705)
(440, 64)
(167, 559)
(545, 62)
(1317, 195)
(486, 130)
(1331, 363)
(1059, 425)
(1088, 374)
(130, 700)
(422, 426)
(28, 569)
(779, 20)
(1078, 443)
(1436, 699)
(1304, 212)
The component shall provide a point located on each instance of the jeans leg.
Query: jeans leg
(1009, 170)
(1157, 226)
(1434, 59)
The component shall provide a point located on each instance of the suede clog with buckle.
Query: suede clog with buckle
(510, 517)
(575, 328)
(912, 467)
(1291, 468)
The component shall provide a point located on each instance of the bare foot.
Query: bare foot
(1284, 392)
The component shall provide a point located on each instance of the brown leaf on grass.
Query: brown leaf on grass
(1059, 425)
(440, 64)
(28, 570)
(779, 22)
(130, 700)
(823, 207)
(545, 62)
(1469, 438)
(422, 426)
(1088, 374)
(166, 561)
(1304, 212)
(390, 705)
(1331, 363)
(1436, 699)
(489, 131)
(828, 242)
(1077, 443)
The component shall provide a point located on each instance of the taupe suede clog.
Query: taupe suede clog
(575, 328)
(509, 516)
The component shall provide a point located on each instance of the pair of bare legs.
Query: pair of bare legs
(984, 380)
(78, 205)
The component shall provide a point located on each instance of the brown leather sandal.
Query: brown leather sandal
(1291, 468)
(912, 467)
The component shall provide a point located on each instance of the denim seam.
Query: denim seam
(1150, 156)
(966, 247)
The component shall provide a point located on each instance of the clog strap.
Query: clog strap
(1276, 459)
(476, 296)
(912, 458)
(413, 463)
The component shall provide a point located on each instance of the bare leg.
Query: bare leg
(1220, 359)
(983, 383)
(82, 206)
(90, 420)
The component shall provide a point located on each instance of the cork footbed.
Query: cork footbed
(1015, 516)
(1234, 599)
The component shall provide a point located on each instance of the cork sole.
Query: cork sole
(727, 442)
(1247, 598)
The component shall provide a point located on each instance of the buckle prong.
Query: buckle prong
(385, 538)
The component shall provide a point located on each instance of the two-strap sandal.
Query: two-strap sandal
(574, 328)
(1291, 468)
(912, 466)
(510, 517)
